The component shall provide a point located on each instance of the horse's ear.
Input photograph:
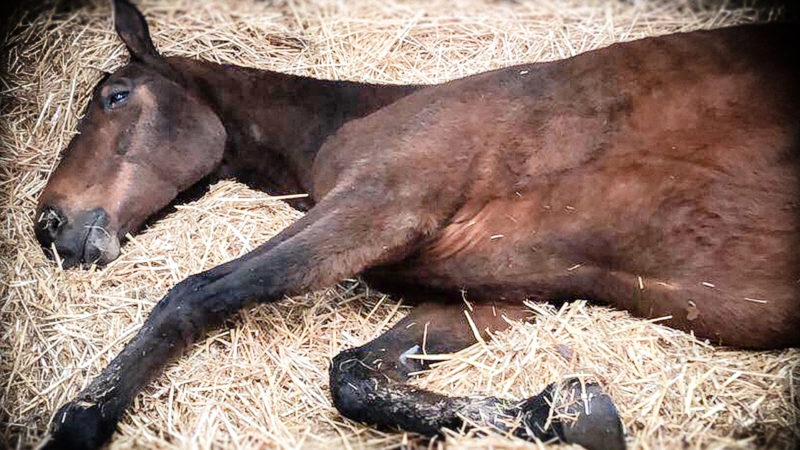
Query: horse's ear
(132, 29)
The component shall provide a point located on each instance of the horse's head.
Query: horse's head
(145, 137)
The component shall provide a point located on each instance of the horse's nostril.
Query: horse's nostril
(48, 222)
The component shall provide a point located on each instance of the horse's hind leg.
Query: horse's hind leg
(368, 385)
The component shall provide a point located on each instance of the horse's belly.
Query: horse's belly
(756, 309)
(722, 263)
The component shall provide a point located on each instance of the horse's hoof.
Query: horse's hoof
(591, 419)
(576, 413)
(78, 426)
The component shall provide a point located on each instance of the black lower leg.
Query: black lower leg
(180, 318)
(363, 392)
(368, 385)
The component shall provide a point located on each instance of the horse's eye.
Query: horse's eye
(117, 98)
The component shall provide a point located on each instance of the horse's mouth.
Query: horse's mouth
(100, 246)
(85, 253)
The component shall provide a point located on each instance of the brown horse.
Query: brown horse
(669, 162)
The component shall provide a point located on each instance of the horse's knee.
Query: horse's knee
(192, 283)
(183, 311)
(351, 385)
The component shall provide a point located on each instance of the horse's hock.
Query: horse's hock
(264, 380)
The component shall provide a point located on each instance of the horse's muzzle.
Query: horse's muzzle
(78, 238)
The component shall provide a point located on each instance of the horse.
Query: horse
(670, 162)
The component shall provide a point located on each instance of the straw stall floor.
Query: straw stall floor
(262, 380)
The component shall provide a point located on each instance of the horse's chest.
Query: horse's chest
(494, 243)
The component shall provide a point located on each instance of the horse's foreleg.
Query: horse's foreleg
(339, 238)
(368, 385)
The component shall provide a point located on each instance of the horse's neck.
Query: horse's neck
(275, 122)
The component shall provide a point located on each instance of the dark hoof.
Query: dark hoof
(78, 426)
(596, 424)
(584, 416)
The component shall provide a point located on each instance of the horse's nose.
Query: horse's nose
(49, 222)
(78, 237)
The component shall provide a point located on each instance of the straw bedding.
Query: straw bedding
(262, 380)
